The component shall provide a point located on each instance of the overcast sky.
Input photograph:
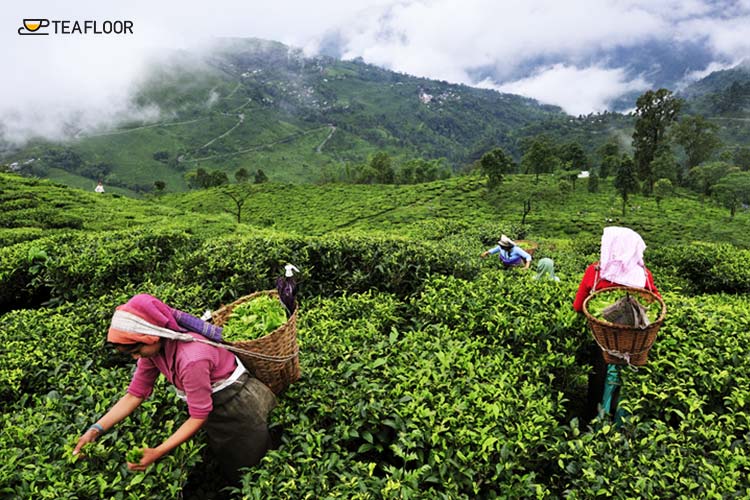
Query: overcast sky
(558, 52)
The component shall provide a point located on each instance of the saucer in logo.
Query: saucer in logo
(32, 27)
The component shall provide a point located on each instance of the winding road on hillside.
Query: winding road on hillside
(187, 157)
(283, 140)
(319, 149)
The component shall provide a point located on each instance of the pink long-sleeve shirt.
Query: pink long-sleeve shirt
(190, 366)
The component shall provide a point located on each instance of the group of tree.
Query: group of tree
(381, 168)
(541, 155)
(202, 179)
(667, 150)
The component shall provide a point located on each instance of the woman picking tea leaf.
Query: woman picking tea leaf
(222, 397)
(620, 264)
(510, 254)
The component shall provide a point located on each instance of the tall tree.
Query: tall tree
(260, 177)
(698, 138)
(655, 112)
(733, 190)
(539, 156)
(609, 158)
(665, 165)
(662, 189)
(704, 177)
(626, 181)
(494, 164)
(573, 153)
(241, 175)
(741, 157)
(593, 183)
(382, 165)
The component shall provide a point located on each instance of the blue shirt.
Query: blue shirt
(511, 257)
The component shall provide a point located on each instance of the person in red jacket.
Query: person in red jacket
(620, 264)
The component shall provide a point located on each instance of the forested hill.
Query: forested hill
(255, 105)
(723, 93)
(262, 105)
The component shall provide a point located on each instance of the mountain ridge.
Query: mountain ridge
(260, 105)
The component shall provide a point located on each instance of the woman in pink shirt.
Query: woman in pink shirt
(222, 397)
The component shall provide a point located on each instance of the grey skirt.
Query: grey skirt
(237, 427)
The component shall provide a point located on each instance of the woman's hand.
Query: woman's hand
(88, 437)
(182, 434)
(150, 455)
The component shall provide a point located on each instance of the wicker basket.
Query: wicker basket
(623, 344)
(277, 361)
(528, 246)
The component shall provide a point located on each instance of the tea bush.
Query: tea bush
(426, 371)
(331, 265)
(705, 267)
(73, 266)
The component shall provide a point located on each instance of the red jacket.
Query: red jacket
(587, 283)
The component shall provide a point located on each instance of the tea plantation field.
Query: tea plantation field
(427, 372)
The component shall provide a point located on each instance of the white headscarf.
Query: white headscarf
(621, 259)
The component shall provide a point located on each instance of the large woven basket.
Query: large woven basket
(528, 246)
(273, 358)
(624, 344)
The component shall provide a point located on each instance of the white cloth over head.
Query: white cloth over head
(621, 259)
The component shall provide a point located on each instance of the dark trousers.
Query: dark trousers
(597, 379)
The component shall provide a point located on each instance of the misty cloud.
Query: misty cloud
(538, 48)
(577, 91)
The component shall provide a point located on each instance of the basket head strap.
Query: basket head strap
(596, 280)
(128, 322)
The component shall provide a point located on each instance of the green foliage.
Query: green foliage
(655, 112)
(593, 183)
(705, 267)
(494, 164)
(609, 158)
(260, 177)
(241, 175)
(426, 371)
(703, 178)
(741, 158)
(539, 156)
(733, 190)
(134, 455)
(626, 181)
(665, 165)
(254, 318)
(203, 179)
(572, 153)
(662, 189)
(698, 137)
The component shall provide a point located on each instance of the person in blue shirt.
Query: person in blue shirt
(511, 254)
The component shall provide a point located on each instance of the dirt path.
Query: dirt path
(283, 140)
(241, 120)
(126, 131)
(319, 149)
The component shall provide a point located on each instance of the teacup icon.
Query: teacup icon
(30, 26)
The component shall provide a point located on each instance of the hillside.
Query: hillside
(254, 104)
(461, 205)
(427, 372)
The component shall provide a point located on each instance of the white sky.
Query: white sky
(48, 78)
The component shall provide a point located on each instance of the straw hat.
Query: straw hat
(504, 241)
